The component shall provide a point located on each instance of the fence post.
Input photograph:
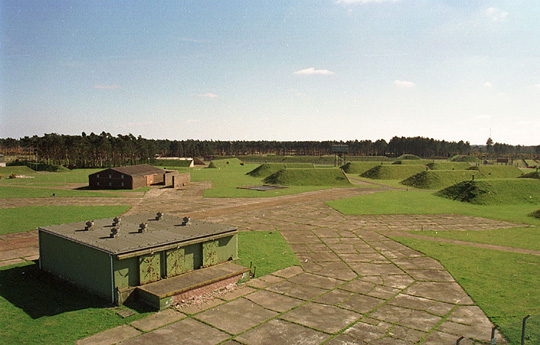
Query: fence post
(523, 329)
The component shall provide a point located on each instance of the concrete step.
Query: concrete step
(166, 292)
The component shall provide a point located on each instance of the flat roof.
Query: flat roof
(166, 231)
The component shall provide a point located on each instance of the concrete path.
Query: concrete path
(354, 285)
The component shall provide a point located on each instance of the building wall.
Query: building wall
(110, 179)
(86, 267)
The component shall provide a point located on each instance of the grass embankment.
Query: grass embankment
(503, 284)
(407, 156)
(359, 167)
(494, 192)
(448, 165)
(268, 169)
(393, 172)
(9, 192)
(225, 163)
(39, 309)
(226, 181)
(463, 158)
(309, 177)
(498, 171)
(20, 219)
(534, 174)
(437, 179)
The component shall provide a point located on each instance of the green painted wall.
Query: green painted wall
(126, 272)
(86, 267)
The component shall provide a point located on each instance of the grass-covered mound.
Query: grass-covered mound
(359, 167)
(408, 157)
(393, 172)
(177, 163)
(308, 177)
(534, 174)
(494, 192)
(437, 179)
(498, 171)
(268, 169)
(224, 163)
(464, 158)
(16, 170)
(413, 162)
(449, 165)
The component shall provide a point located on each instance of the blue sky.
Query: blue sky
(272, 70)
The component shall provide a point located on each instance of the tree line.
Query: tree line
(102, 150)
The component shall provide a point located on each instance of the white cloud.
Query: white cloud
(106, 87)
(404, 84)
(487, 84)
(349, 2)
(313, 71)
(496, 14)
(208, 95)
(537, 86)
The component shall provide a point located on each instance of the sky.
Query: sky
(272, 70)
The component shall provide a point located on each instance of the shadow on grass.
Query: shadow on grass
(40, 294)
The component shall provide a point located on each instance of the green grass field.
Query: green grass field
(498, 171)
(225, 163)
(8, 192)
(226, 181)
(20, 219)
(267, 250)
(309, 177)
(449, 165)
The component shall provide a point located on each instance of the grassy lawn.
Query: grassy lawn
(504, 285)
(29, 192)
(38, 309)
(266, 249)
(28, 218)
(226, 180)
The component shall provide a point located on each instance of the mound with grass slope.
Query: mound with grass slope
(16, 170)
(225, 163)
(464, 158)
(268, 169)
(494, 192)
(408, 157)
(498, 171)
(449, 166)
(393, 172)
(437, 179)
(359, 167)
(177, 163)
(534, 174)
(308, 177)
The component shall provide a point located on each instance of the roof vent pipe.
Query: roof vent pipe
(89, 225)
(186, 221)
(115, 232)
(159, 215)
(143, 227)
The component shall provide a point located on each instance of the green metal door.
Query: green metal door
(149, 268)
(210, 253)
(176, 262)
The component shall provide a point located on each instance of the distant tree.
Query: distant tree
(489, 143)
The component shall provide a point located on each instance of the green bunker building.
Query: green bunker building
(153, 258)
